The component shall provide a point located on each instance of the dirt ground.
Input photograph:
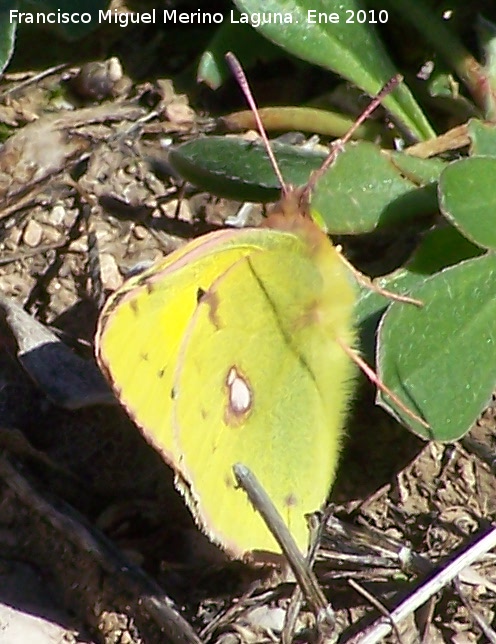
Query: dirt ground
(95, 544)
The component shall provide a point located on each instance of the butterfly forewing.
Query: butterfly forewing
(142, 326)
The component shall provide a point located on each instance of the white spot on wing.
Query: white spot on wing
(240, 397)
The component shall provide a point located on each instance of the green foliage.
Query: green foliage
(349, 47)
(236, 169)
(239, 38)
(438, 358)
(7, 33)
(468, 200)
(365, 189)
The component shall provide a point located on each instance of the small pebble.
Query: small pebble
(33, 234)
(57, 215)
(79, 245)
(140, 232)
(109, 271)
(179, 113)
(99, 80)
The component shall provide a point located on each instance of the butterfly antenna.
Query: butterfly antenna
(240, 76)
(337, 146)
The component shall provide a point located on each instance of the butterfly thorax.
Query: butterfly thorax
(292, 214)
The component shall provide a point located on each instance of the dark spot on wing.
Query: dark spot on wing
(211, 299)
(229, 483)
(199, 295)
(134, 306)
(290, 501)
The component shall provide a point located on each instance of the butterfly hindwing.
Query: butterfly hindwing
(254, 385)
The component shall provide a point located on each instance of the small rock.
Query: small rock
(267, 618)
(57, 215)
(79, 245)
(179, 113)
(33, 234)
(109, 271)
(51, 235)
(14, 238)
(140, 232)
(99, 80)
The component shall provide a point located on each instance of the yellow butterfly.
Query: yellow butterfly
(226, 352)
(230, 351)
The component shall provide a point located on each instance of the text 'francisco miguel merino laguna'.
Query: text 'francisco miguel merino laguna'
(123, 19)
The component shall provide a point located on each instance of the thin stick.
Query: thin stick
(240, 76)
(382, 628)
(297, 596)
(379, 606)
(33, 79)
(476, 616)
(262, 502)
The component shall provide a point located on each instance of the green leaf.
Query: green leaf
(440, 359)
(419, 171)
(371, 305)
(351, 49)
(283, 118)
(243, 41)
(468, 200)
(483, 137)
(364, 190)
(237, 169)
(440, 247)
(7, 33)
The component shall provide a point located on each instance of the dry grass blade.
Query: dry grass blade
(445, 576)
